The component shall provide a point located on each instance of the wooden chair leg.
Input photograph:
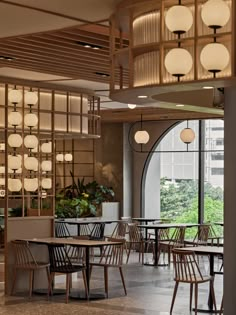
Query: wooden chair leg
(196, 297)
(213, 294)
(174, 296)
(191, 296)
(90, 271)
(106, 280)
(67, 287)
(85, 283)
(129, 250)
(123, 279)
(49, 282)
(14, 281)
(222, 306)
(30, 282)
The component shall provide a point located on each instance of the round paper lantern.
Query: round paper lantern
(187, 135)
(31, 184)
(68, 157)
(46, 147)
(179, 19)
(14, 118)
(31, 141)
(214, 57)
(15, 140)
(141, 137)
(31, 120)
(178, 62)
(31, 163)
(215, 13)
(46, 166)
(60, 157)
(14, 184)
(14, 162)
(2, 181)
(15, 96)
(31, 98)
(46, 183)
(132, 106)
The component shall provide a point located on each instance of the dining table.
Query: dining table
(211, 252)
(87, 244)
(156, 228)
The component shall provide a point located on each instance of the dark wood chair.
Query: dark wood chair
(61, 229)
(136, 241)
(187, 270)
(25, 261)
(112, 257)
(97, 232)
(60, 262)
(201, 237)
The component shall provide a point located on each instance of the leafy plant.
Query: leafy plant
(80, 199)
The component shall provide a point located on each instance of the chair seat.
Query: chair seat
(171, 244)
(195, 279)
(105, 264)
(67, 268)
(33, 266)
(194, 243)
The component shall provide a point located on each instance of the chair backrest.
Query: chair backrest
(120, 230)
(84, 230)
(163, 234)
(185, 266)
(112, 255)
(135, 234)
(178, 236)
(23, 255)
(61, 229)
(202, 234)
(59, 258)
(97, 232)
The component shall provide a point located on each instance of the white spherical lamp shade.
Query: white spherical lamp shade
(132, 106)
(187, 135)
(46, 147)
(46, 183)
(14, 162)
(214, 57)
(179, 19)
(31, 98)
(215, 13)
(141, 137)
(31, 163)
(14, 184)
(31, 141)
(68, 157)
(15, 96)
(178, 62)
(2, 181)
(14, 118)
(31, 120)
(31, 184)
(15, 140)
(46, 166)
(60, 157)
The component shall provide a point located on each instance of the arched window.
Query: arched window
(182, 182)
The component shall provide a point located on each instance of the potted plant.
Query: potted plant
(82, 200)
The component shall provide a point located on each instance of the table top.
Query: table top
(148, 219)
(71, 241)
(88, 221)
(167, 225)
(204, 250)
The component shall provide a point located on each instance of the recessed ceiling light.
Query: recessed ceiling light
(88, 45)
(131, 106)
(208, 87)
(179, 105)
(8, 58)
(102, 74)
(142, 96)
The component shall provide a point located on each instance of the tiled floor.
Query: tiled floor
(149, 293)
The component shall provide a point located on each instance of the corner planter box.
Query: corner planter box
(36, 212)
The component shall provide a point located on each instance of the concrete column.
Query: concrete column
(230, 203)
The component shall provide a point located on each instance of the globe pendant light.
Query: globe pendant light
(15, 96)
(187, 135)
(179, 19)
(31, 163)
(132, 106)
(141, 136)
(14, 118)
(14, 184)
(215, 13)
(214, 57)
(60, 157)
(46, 166)
(15, 140)
(178, 62)
(68, 157)
(31, 141)
(46, 147)
(31, 98)
(31, 184)
(31, 120)
(46, 183)
(14, 162)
